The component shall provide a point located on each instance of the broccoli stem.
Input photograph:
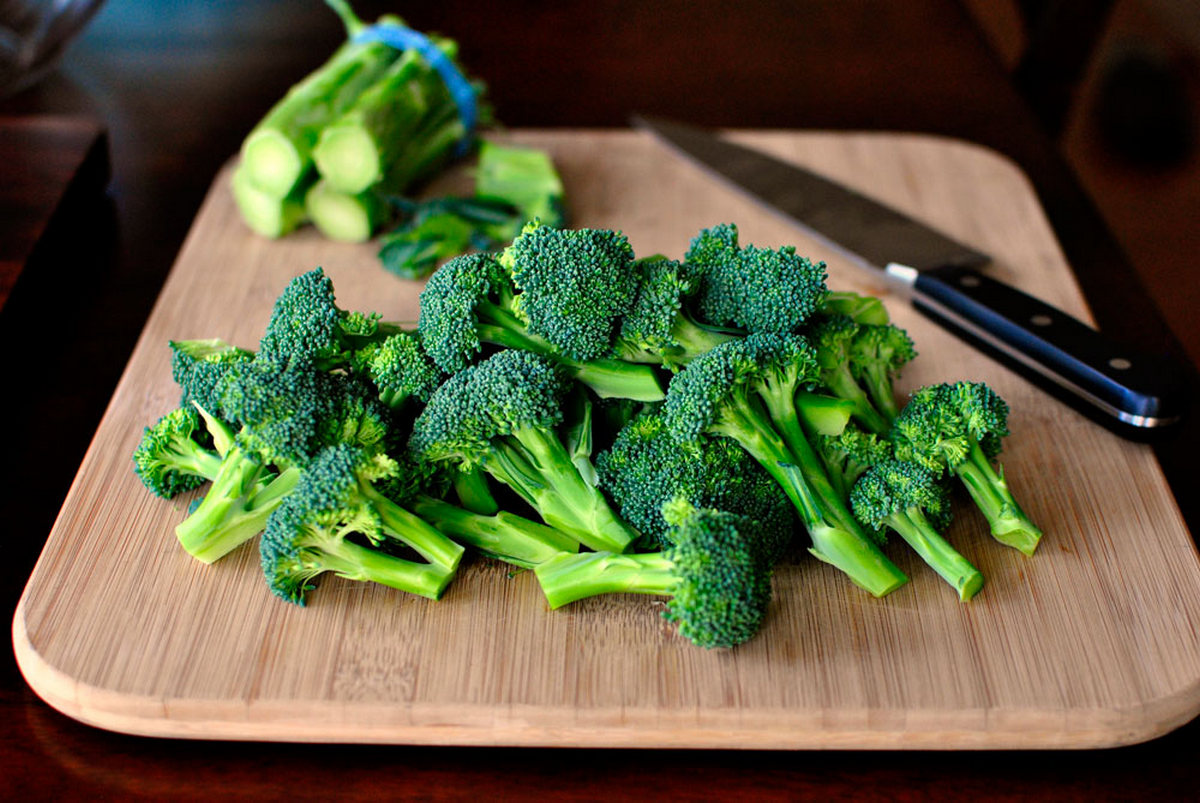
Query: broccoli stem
(537, 466)
(345, 217)
(471, 488)
(691, 341)
(217, 527)
(504, 535)
(265, 213)
(846, 548)
(277, 153)
(567, 578)
(1008, 522)
(403, 525)
(609, 379)
(356, 562)
(878, 382)
(936, 551)
(843, 385)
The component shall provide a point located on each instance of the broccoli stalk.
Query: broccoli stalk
(312, 531)
(502, 535)
(502, 415)
(715, 574)
(745, 390)
(833, 338)
(908, 499)
(877, 354)
(959, 428)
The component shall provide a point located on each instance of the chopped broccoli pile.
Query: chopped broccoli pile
(614, 424)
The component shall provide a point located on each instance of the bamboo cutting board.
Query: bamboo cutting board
(1092, 642)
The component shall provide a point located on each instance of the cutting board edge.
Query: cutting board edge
(516, 726)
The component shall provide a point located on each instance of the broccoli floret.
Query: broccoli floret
(959, 428)
(908, 499)
(877, 354)
(659, 328)
(471, 300)
(503, 414)
(198, 366)
(286, 414)
(715, 574)
(646, 468)
(172, 456)
(399, 368)
(756, 289)
(337, 521)
(834, 339)
(308, 326)
(849, 454)
(746, 390)
(573, 285)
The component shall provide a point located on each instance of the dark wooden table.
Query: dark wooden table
(178, 84)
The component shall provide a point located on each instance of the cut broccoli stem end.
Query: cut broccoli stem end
(504, 535)
(856, 557)
(409, 528)
(272, 162)
(1007, 521)
(208, 540)
(348, 158)
(937, 552)
(567, 578)
(564, 499)
(213, 528)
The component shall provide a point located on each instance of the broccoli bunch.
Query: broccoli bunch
(615, 424)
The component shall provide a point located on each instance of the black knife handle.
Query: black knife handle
(1071, 359)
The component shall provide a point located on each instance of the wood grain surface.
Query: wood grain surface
(1092, 642)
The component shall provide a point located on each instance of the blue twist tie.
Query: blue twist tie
(460, 89)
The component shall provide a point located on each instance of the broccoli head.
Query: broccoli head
(756, 289)
(399, 367)
(198, 367)
(959, 427)
(173, 457)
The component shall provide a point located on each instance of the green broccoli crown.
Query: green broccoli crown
(325, 507)
(723, 584)
(664, 286)
(306, 323)
(756, 289)
(170, 456)
(574, 285)
(887, 346)
(855, 446)
(895, 487)
(289, 411)
(507, 392)
(698, 395)
(198, 366)
(646, 468)
(400, 368)
(833, 338)
(448, 319)
(940, 423)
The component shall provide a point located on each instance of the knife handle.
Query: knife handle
(1072, 360)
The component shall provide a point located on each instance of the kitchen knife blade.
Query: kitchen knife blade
(1111, 382)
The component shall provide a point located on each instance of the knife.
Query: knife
(1130, 391)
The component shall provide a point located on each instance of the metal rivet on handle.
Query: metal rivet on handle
(1041, 320)
(969, 281)
(1120, 364)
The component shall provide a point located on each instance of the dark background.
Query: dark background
(1096, 101)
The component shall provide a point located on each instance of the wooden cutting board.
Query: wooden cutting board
(1094, 641)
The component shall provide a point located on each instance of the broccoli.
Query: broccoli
(471, 300)
(877, 354)
(646, 468)
(907, 498)
(715, 574)
(959, 428)
(399, 368)
(307, 325)
(860, 308)
(848, 454)
(337, 521)
(756, 289)
(659, 328)
(198, 366)
(287, 413)
(172, 456)
(746, 390)
(503, 415)
(834, 337)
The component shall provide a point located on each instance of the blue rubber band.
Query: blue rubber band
(460, 89)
